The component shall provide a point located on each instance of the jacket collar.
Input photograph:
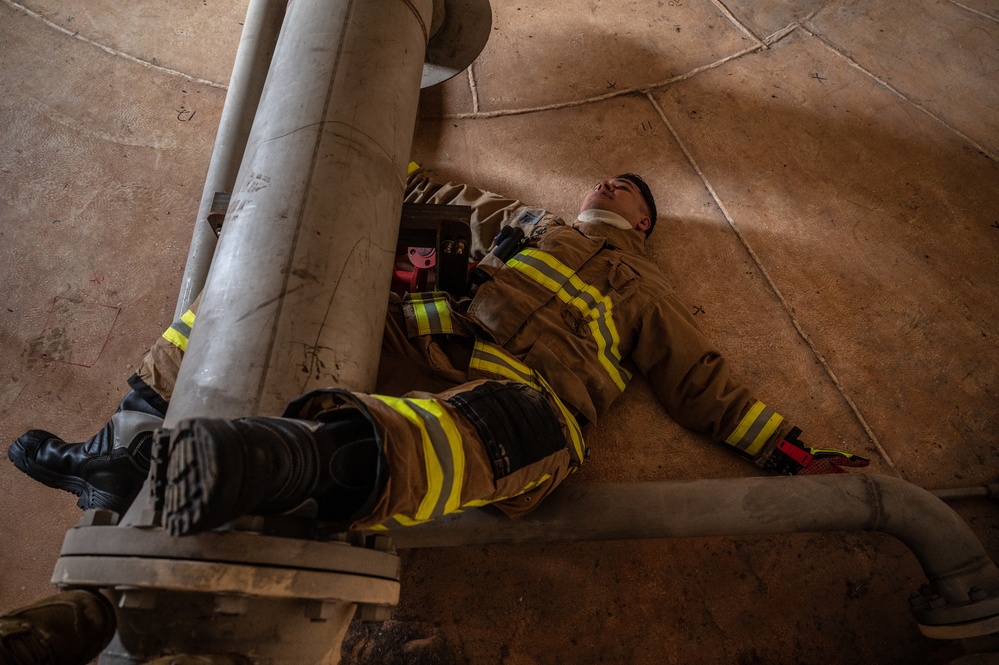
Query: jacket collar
(623, 239)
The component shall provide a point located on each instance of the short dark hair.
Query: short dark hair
(646, 192)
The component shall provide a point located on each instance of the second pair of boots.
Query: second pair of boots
(207, 472)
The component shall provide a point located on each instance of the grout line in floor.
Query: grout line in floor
(975, 11)
(780, 34)
(739, 24)
(888, 86)
(600, 98)
(473, 88)
(121, 54)
(773, 287)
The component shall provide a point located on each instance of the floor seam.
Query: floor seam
(473, 88)
(888, 86)
(781, 34)
(479, 115)
(776, 291)
(739, 24)
(974, 11)
(107, 49)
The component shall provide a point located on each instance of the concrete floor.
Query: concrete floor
(826, 176)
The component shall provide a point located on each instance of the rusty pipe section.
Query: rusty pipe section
(297, 293)
(963, 581)
(249, 70)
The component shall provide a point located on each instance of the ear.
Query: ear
(644, 224)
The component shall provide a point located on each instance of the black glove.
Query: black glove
(793, 458)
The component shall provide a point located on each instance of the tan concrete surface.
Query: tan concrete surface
(827, 198)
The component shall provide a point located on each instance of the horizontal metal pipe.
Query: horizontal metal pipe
(950, 554)
(990, 491)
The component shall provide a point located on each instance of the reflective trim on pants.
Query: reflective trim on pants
(491, 359)
(433, 316)
(179, 331)
(443, 454)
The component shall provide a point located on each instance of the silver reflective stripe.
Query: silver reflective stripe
(442, 447)
(182, 328)
(759, 423)
(593, 304)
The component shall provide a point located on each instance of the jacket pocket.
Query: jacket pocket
(503, 305)
(567, 384)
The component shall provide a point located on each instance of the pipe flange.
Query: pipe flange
(939, 619)
(961, 631)
(115, 542)
(460, 39)
(213, 578)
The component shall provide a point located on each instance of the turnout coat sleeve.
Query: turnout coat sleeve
(694, 383)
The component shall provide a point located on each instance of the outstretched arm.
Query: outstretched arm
(694, 383)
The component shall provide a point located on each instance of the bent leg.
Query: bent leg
(156, 376)
(498, 442)
(369, 461)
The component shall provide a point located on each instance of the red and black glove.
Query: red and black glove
(792, 457)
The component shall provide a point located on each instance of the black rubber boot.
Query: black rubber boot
(106, 471)
(69, 628)
(208, 472)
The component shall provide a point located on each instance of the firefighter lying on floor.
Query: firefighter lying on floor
(481, 400)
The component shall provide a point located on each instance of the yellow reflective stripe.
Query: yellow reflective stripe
(494, 360)
(454, 471)
(758, 425)
(399, 519)
(432, 466)
(443, 452)
(596, 307)
(768, 429)
(534, 483)
(402, 520)
(746, 422)
(477, 503)
(433, 316)
(535, 274)
(830, 451)
(444, 312)
(180, 331)
(176, 339)
(422, 320)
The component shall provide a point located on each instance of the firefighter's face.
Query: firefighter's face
(622, 197)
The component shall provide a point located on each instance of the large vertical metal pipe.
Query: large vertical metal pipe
(296, 295)
(249, 71)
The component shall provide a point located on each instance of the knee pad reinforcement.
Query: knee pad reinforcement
(516, 424)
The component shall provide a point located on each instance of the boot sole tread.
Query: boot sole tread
(191, 479)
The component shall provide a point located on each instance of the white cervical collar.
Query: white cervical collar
(605, 217)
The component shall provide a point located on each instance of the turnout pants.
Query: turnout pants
(461, 423)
